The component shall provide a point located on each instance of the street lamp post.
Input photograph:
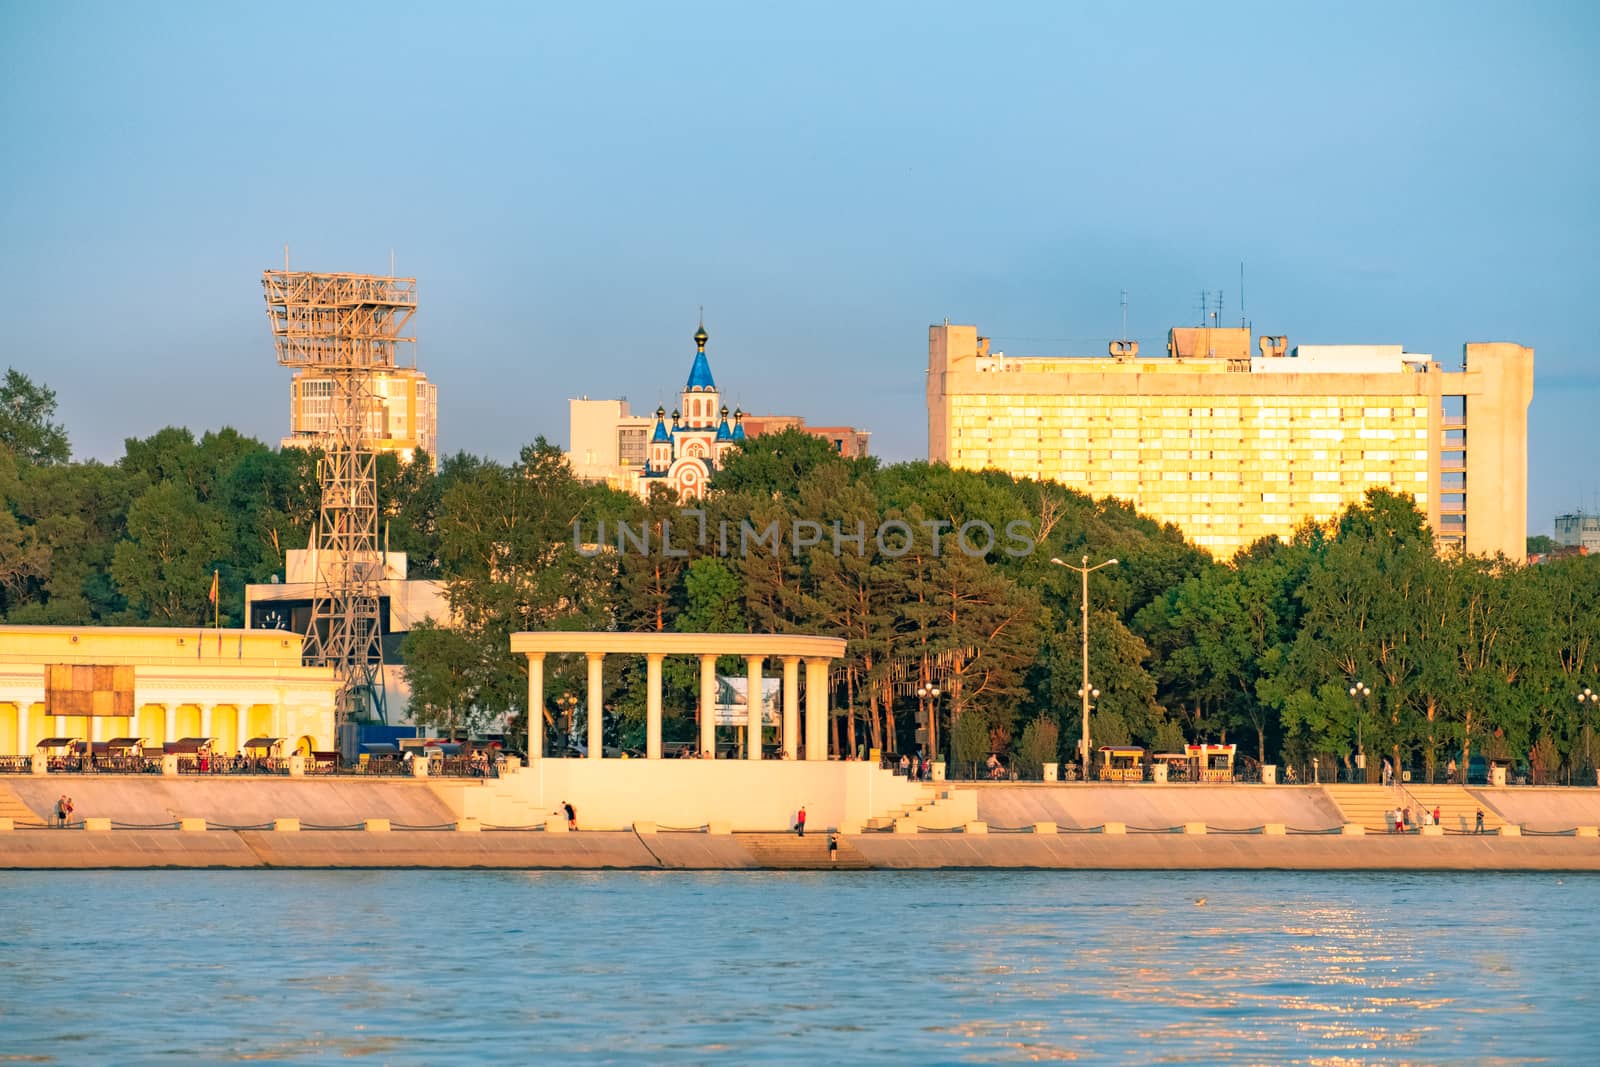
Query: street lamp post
(1359, 692)
(1086, 690)
(1587, 698)
(928, 695)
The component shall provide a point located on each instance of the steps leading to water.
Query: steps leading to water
(1370, 805)
(808, 853)
(12, 807)
(928, 800)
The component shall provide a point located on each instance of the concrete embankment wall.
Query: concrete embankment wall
(1547, 809)
(537, 850)
(1231, 807)
(134, 800)
(747, 794)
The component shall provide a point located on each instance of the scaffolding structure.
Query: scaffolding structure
(345, 326)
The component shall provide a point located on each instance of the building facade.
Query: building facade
(1232, 445)
(100, 683)
(403, 419)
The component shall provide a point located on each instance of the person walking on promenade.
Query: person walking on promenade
(1450, 770)
(1478, 829)
(1437, 821)
(61, 812)
(1399, 825)
(833, 848)
(905, 762)
(800, 821)
(1388, 820)
(69, 811)
(572, 815)
(1408, 822)
(1388, 772)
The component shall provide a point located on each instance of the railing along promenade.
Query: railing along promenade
(250, 766)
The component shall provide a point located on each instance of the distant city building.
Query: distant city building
(1579, 530)
(1232, 446)
(848, 441)
(633, 452)
(404, 418)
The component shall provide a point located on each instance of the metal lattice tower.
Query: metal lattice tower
(345, 326)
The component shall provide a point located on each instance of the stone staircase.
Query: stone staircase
(12, 807)
(927, 801)
(1457, 807)
(790, 852)
(1366, 805)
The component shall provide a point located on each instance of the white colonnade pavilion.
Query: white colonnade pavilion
(789, 649)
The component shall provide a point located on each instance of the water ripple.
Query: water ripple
(457, 967)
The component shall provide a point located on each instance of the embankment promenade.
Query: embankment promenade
(133, 822)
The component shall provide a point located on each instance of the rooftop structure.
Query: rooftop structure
(1579, 530)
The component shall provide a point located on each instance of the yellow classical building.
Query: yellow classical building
(1232, 445)
(160, 685)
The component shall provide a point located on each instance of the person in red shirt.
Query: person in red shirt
(800, 821)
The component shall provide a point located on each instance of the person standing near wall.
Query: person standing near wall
(800, 821)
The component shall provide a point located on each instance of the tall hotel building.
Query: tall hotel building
(1232, 445)
(404, 416)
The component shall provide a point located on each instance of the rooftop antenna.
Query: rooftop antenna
(1124, 314)
(1205, 302)
(286, 258)
(1243, 321)
(1216, 316)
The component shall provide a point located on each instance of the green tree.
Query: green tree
(165, 566)
(1040, 744)
(25, 427)
(506, 537)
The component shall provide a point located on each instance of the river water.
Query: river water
(439, 967)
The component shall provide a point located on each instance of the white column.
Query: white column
(205, 721)
(752, 720)
(708, 707)
(652, 705)
(60, 727)
(791, 707)
(24, 741)
(243, 721)
(535, 706)
(97, 727)
(816, 709)
(169, 732)
(596, 710)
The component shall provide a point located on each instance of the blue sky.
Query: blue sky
(570, 183)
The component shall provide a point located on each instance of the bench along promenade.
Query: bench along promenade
(124, 821)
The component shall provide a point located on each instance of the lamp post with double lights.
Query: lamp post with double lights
(1086, 690)
(568, 704)
(1359, 693)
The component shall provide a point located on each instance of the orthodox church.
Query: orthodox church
(684, 456)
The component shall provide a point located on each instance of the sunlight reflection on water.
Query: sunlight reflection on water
(455, 967)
